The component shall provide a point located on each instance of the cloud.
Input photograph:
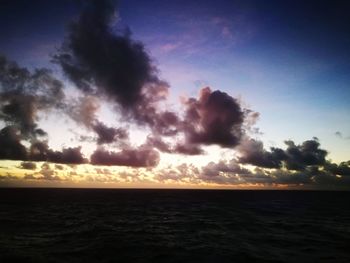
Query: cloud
(109, 134)
(181, 148)
(99, 59)
(110, 64)
(224, 172)
(45, 173)
(232, 173)
(39, 151)
(158, 143)
(8, 176)
(300, 165)
(106, 62)
(23, 94)
(342, 169)
(185, 173)
(295, 157)
(338, 134)
(11, 147)
(103, 171)
(84, 110)
(306, 154)
(188, 149)
(140, 157)
(213, 169)
(253, 152)
(59, 167)
(214, 118)
(341, 136)
(28, 165)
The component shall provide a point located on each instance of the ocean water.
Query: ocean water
(91, 225)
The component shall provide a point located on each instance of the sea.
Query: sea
(149, 225)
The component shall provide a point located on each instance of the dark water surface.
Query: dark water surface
(90, 225)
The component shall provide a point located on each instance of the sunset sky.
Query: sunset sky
(179, 94)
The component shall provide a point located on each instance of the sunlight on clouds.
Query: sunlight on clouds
(108, 112)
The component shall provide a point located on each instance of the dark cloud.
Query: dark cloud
(101, 59)
(158, 143)
(148, 111)
(10, 144)
(24, 93)
(312, 176)
(107, 62)
(40, 132)
(306, 154)
(188, 149)
(28, 165)
(224, 172)
(253, 152)
(181, 148)
(59, 167)
(342, 169)
(213, 169)
(141, 157)
(215, 118)
(12, 149)
(67, 156)
(231, 172)
(83, 111)
(104, 62)
(295, 157)
(39, 151)
(107, 134)
(19, 109)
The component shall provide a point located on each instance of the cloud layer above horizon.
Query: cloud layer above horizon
(103, 65)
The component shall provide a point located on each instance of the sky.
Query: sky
(175, 94)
